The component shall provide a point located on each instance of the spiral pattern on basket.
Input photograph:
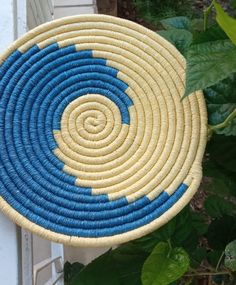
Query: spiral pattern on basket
(95, 141)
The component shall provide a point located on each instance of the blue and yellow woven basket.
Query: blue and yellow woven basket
(96, 146)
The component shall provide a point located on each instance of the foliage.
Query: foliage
(120, 266)
(71, 270)
(230, 256)
(208, 63)
(195, 243)
(164, 265)
(154, 10)
(227, 23)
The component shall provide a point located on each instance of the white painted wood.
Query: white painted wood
(57, 262)
(21, 18)
(73, 2)
(47, 9)
(39, 12)
(27, 257)
(41, 251)
(60, 12)
(42, 261)
(57, 268)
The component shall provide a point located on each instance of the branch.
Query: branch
(207, 273)
(227, 121)
(206, 13)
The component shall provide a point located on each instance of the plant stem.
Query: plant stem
(227, 121)
(170, 247)
(206, 13)
(207, 273)
(219, 261)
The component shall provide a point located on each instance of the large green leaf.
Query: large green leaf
(213, 257)
(117, 267)
(224, 92)
(198, 223)
(99, 271)
(197, 256)
(233, 4)
(216, 207)
(183, 230)
(128, 261)
(176, 23)
(217, 114)
(209, 63)
(213, 33)
(188, 228)
(223, 183)
(230, 256)
(223, 151)
(221, 102)
(221, 232)
(181, 39)
(164, 265)
(227, 23)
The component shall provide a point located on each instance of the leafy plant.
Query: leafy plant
(155, 10)
(196, 244)
(230, 256)
(164, 265)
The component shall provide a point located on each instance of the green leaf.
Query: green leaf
(148, 242)
(221, 102)
(216, 207)
(223, 151)
(223, 183)
(224, 92)
(230, 256)
(197, 25)
(99, 271)
(213, 257)
(227, 23)
(183, 230)
(176, 23)
(213, 33)
(181, 39)
(197, 256)
(221, 232)
(218, 114)
(70, 270)
(209, 63)
(233, 4)
(186, 234)
(164, 265)
(128, 261)
(198, 223)
(120, 266)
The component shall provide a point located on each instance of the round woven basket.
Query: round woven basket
(97, 147)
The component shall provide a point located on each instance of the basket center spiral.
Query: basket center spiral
(92, 121)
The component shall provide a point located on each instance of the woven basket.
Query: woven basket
(96, 146)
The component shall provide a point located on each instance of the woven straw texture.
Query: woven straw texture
(96, 146)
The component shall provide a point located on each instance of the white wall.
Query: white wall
(8, 251)
(38, 12)
(63, 8)
(8, 231)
